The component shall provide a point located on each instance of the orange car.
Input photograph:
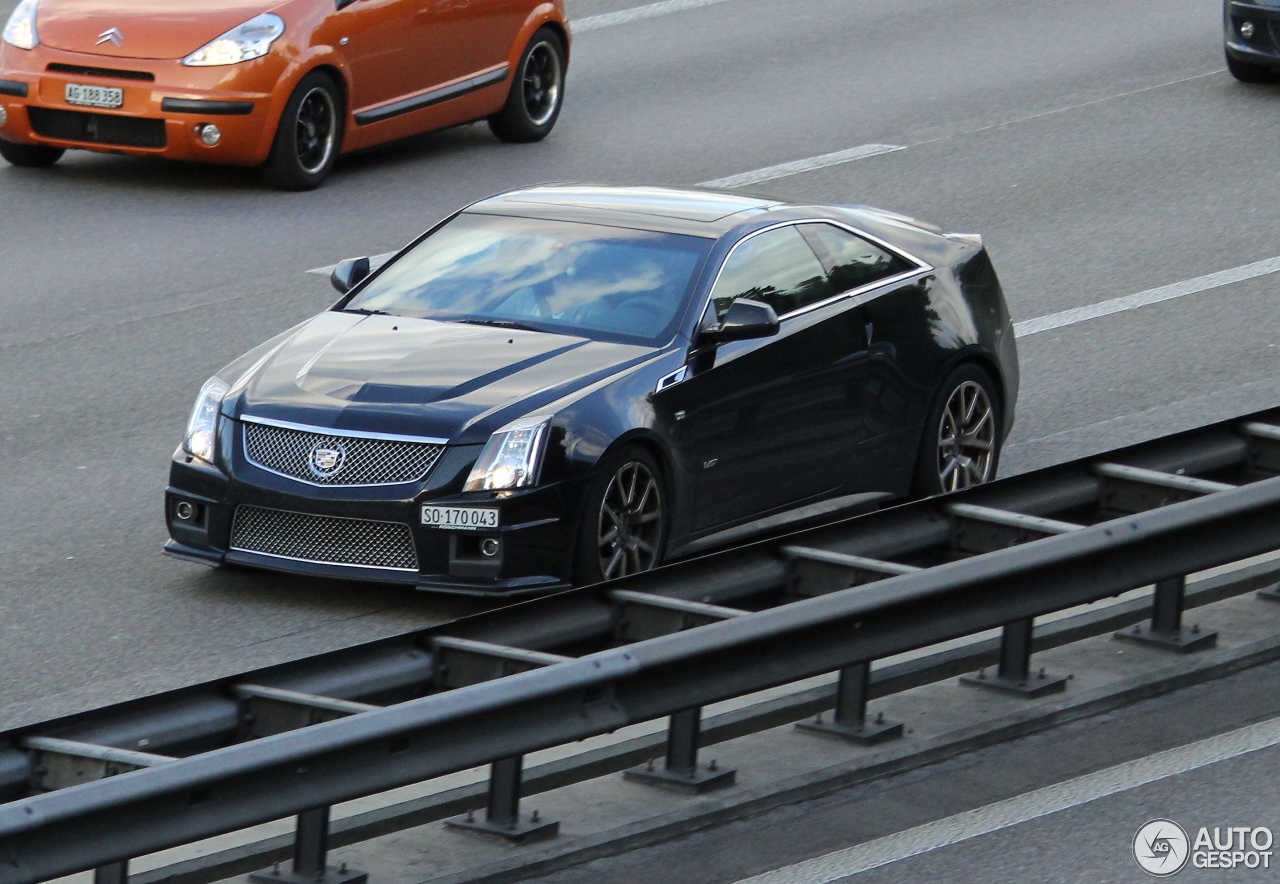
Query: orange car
(282, 85)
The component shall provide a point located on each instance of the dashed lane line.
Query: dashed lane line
(981, 821)
(796, 167)
(636, 13)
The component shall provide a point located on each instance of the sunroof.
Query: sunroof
(665, 202)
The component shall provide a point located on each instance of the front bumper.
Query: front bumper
(165, 104)
(1263, 46)
(536, 529)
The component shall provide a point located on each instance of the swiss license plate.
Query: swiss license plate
(460, 518)
(94, 96)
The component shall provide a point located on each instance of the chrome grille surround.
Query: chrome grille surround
(324, 540)
(329, 458)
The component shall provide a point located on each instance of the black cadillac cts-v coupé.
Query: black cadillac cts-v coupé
(565, 384)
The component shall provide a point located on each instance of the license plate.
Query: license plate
(94, 96)
(460, 518)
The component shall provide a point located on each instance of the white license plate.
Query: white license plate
(460, 518)
(94, 96)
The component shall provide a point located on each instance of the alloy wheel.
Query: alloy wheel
(541, 84)
(630, 525)
(316, 127)
(966, 438)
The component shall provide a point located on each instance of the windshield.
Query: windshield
(557, 276)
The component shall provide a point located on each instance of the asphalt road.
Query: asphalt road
(1097, 144)
(1085, 842)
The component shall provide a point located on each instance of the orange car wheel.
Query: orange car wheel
(32, 155)
(537, 91)
(309, 136)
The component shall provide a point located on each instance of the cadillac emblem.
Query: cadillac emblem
(326, 459)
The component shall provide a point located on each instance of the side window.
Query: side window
(854, 262)
(776, 268)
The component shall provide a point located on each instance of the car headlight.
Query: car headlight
(201, 439)
(21, 28)
(251, 40)
(512, 457)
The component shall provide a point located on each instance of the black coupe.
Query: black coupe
(565, 384)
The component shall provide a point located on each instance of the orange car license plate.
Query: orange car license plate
(94, 96)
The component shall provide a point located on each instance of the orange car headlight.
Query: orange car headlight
(250, 40)
(20, 30)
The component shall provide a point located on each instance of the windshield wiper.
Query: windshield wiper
(366, 311)
(501, 323)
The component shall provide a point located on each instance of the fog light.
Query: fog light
(209, 134)
(1246, 30)
(4, 115)
(185, 510)
(490, 547)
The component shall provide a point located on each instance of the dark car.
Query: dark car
(565, 384)
(1251, 40)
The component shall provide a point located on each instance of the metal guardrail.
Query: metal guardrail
(296, 739)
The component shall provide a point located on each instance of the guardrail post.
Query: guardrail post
(680, 770)
(1165, 629)
(116, 873)
(310, 855)
(1013, 673)
(502, 813)
(1270, 594)
(850, 719)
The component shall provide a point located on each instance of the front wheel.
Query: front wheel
(309, 136)
(537, 91)
(961, 446)
(30, 155)
(624, 526)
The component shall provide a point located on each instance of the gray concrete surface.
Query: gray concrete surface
(1096, 143)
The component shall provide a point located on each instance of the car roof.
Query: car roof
(687, 210)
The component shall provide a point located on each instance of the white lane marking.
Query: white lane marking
(1142, 299)
(1033, 805)
(785, 170)
(637, 13)
(375, 261)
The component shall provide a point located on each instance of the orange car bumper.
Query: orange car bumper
(165, 105)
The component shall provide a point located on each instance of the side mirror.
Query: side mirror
(745, 320)
(348, 274)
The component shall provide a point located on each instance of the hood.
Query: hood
(155, 29)
(448, 380)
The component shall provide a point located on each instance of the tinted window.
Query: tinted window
(854, 261)
(777, 268)
(556, 276)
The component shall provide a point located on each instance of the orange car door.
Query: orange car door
(396, 48)
(495, 26)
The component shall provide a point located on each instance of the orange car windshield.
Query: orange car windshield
(563, 277)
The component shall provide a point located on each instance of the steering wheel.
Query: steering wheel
(639, 302)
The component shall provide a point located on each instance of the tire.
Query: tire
(537, 91)
(309, 136)
(32, 156)
(968, 399)
(1247, 72)
(628, 493)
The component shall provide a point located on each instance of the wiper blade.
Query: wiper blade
(501, 323)
(366, 311)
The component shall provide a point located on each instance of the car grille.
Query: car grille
(97, 128)
(324, 539)
(83, 71)
(334, 459)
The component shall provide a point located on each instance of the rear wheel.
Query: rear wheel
(624, 526)
(30, 155)
(961, 446)
(537, 91)
(309, 136)
(1247, 72)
